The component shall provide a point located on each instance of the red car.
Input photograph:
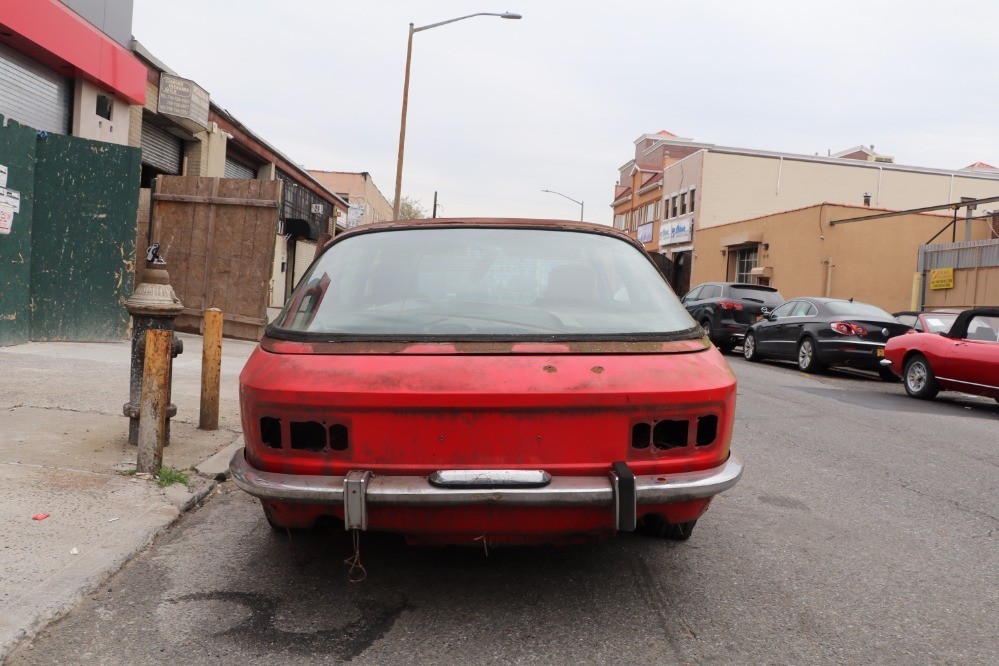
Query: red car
(482, 381)
(965, 358)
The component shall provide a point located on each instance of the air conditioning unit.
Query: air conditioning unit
(317, 209)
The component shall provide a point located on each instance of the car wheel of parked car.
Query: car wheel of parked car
(749, 348)
(887, 375)
(656, 526)
(919, 380)
(808, 361)
(706, 325)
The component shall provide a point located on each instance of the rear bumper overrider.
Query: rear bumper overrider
(619, 491)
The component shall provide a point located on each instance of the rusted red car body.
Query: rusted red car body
(628, 430)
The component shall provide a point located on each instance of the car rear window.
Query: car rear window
(939, 323)
(847, 309)
(456, 282)
(765, 295)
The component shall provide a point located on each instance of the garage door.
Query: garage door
(234, 169)
(32, 94)
(160, 149)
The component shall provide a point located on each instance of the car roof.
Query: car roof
(488, 222)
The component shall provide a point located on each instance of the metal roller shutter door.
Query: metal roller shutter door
(234, 169)
(32, 94)
(160, 149)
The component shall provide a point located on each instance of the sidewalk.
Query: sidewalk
(63, 451)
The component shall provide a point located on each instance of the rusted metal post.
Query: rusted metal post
(153, 403)
(211, 369)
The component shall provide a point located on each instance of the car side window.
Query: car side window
(784, 310)
(800, 310)
(983, 329)
(692, 294)
(711, 291)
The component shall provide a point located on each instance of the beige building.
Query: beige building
(804, 252)
(367, 204)
(705, 185)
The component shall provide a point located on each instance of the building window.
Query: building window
(692, 192)
(745, 261)
(104, 107)
(619, 221)
(683, 204)
(675, 208)
(650, 212)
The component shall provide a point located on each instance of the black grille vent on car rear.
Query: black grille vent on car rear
(707, 429)
(338, 437)
(641, 435)
(270, 432)
(307, 436)
(670, 434)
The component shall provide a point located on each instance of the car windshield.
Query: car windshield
(848, 309)
(939, 323)
(454, 282)
(760, 294)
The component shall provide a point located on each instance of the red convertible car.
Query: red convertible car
(965, 358)
(482, 381)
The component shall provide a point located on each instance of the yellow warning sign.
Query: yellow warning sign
(942, 278)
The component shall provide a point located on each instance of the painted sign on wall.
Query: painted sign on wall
(942, 278)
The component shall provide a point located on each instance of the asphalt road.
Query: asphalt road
(864, 531)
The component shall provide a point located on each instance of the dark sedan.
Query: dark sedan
(819, 332)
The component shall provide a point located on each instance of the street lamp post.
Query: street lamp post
(405, 96)
(570, 199)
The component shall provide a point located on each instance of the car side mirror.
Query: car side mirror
(772, 316)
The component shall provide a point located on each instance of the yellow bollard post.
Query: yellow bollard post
(153, 401)
(917, 291)
(211, 369)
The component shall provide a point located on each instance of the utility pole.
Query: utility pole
(434, 215)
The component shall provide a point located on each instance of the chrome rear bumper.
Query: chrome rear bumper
(360, 489)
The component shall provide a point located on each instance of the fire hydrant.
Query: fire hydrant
(153, 305)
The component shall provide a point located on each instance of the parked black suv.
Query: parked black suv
(726, 309)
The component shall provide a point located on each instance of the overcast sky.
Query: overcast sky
(501, 109)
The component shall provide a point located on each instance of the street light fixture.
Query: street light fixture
(570, 199)
(405, 95)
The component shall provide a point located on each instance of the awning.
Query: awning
(744, 238)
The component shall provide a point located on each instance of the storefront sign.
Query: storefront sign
(184, 101)
(645, 233)
(942, 278)
(679, 231)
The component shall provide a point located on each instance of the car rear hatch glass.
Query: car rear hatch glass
(755, 300)
(480, 282)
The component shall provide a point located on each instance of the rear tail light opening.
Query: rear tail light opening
(312, 436)
(667, 434)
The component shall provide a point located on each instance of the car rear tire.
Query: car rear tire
(808, 359)
(919, 379)
(657, 526)
(887, 375)
(749, 349)
(706, 325)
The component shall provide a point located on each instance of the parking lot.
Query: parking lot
(863, 530)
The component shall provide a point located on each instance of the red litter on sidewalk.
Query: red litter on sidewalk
(40, 516)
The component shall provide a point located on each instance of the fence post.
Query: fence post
(153, 403)
(211, 369)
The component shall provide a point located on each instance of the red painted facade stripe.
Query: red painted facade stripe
(52, 33)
